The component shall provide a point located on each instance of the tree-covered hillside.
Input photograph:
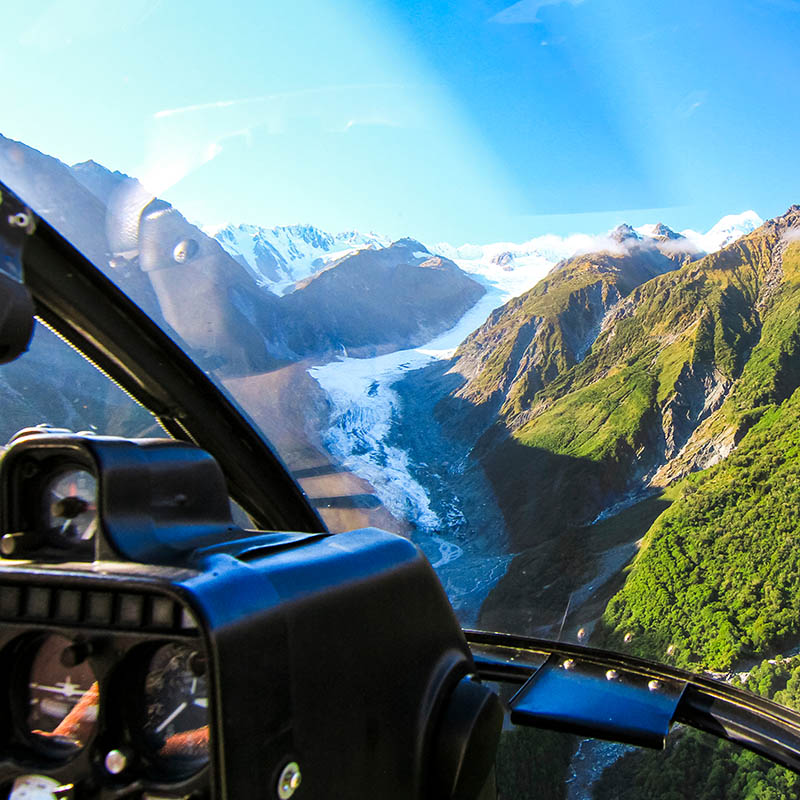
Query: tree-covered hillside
(700, 767)
(527, 343)
(718, 575)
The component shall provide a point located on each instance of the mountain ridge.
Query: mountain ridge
(672, 355)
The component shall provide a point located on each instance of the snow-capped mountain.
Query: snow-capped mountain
(280, 257)
(511, 267)
(657, 231)
(726, 231)
(517, 267)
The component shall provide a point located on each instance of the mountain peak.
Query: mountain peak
(623, 233)
(730, 228)
(746, 222)
(660, 230)
(99, 180)
(412, 244)
(281, 256)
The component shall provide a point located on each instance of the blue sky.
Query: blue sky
(470, 120)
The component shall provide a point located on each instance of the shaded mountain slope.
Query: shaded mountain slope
(53, 191)
(377, 300)
(369, 301)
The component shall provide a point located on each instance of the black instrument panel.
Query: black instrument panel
(150, 648)
(106, 689)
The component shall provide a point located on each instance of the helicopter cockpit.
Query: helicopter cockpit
(297, 510)
(152, 647)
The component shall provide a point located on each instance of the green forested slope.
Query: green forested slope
(698, 767)
(718, 576)
(532, 339)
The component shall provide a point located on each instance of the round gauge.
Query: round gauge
(70, 499)
(35, 787)
(62, 700)
(176, 706)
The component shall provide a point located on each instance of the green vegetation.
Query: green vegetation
(702, 768)
(530, 759)
(699, 365)
(698, 318)
(534, 338)
(685, 366)
(596, 421)
(719, 575)
(696, 767)
(772, 371)
(777, 679)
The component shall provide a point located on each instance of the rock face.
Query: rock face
(504, 260)
(662, 231)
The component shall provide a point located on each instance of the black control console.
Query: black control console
(150, 648)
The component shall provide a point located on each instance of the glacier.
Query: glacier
(366, 411)
(365, 408)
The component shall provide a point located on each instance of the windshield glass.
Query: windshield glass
(54, 385)
(519, 281)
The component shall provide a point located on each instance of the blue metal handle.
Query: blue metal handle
(585, 697)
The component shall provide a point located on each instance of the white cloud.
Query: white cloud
(691, 102)
(371, 121)
(184, 138)
(526, 12)
(791, 235)
(345, 90)
(171, 112)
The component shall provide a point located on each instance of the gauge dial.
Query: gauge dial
(62, 700)
(70, 499)
(176, 705)
(35, 787)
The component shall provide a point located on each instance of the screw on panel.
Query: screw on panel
(115, 761)
(10, 543)
(289, 780)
